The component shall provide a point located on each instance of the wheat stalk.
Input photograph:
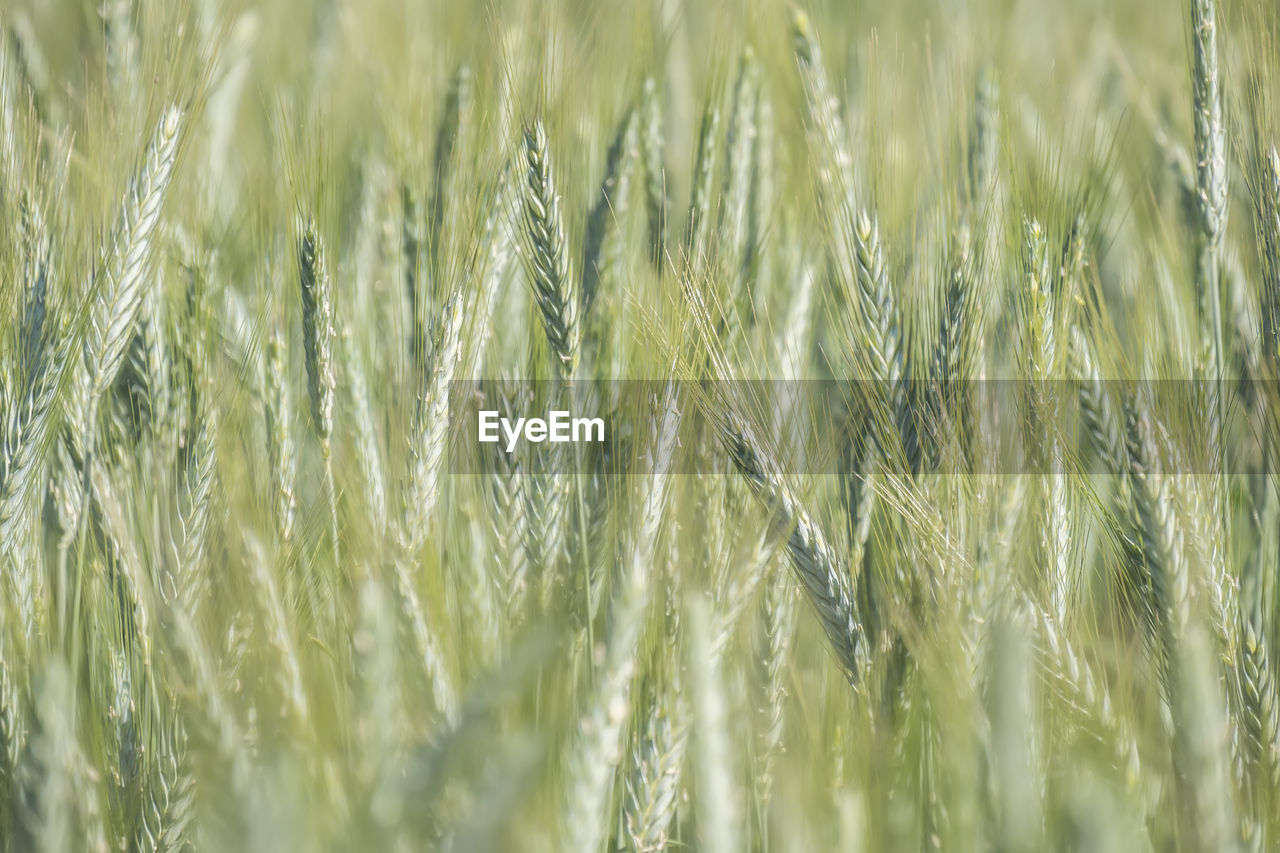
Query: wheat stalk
(653, 785)
(813, 561)
(602, 244)
(317, 331)
(451, 133)
(653, 151)
(697, 229)
(412, 239)
(45, 797)
(1210, 170)
(596, 754)
(778, 625)
(1042, 352)
(1267, 229)
(740, 147)
(366, 431)
(717, 804)
(118, 284)
(1160, 537)
(428, 436)
(508, 502)
(169, 810)
(547, 255)
(317, 344)
(278, 414)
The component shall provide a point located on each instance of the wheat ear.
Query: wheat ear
(547, 254)
(813, 561)
(428, 437)
(118, 285)
(603, 241)
(653, 785)
(451, 133)
(317, 343)
(1211, 170)
(168, 810)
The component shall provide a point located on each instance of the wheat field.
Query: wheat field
(936, 350)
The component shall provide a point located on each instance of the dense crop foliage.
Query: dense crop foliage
(261, 589)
